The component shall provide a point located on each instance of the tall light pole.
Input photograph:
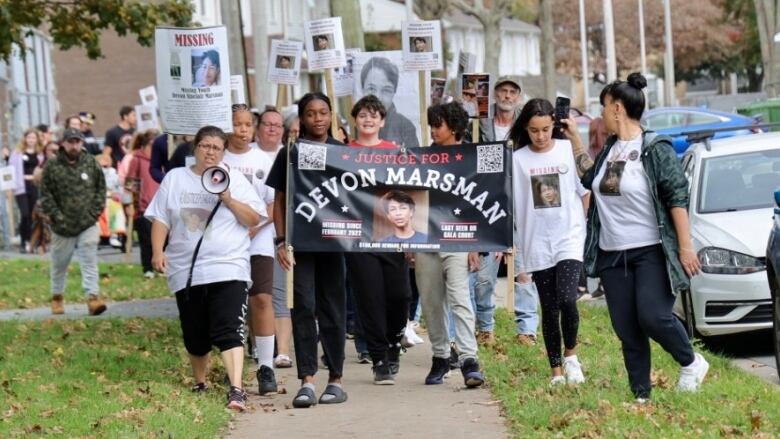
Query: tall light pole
(609, 35)
(642, 51)
(584, 56)
(669, 56)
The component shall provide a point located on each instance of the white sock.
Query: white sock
(571, 358)
(264, 348)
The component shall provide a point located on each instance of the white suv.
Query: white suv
(731, 183)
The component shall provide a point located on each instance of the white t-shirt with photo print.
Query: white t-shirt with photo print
(255, 165)
(183, 206)
(549, 219)
(624, 201)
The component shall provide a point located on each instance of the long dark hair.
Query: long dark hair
(304, 102)
(535, 107)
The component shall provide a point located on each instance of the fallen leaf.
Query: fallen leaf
(755, 420)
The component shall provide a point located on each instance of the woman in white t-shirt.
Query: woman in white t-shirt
(212, 295)
(550, 224)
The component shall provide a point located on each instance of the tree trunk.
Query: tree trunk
(766, 15)
(231, 18)
(492, 30)
(351, 23)
(548, 49)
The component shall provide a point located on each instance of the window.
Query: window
(662, 121)
(701, 119)
(739, 182)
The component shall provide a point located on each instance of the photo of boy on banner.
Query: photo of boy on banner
(398, 217)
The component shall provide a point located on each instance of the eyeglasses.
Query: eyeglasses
(278, 126)
(212, 148)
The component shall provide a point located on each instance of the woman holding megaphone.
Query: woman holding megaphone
(207, 260)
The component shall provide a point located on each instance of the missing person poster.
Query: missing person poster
(146, 118)
(438, 86)
(7, 179)
(476, 94)
(452, 198)
(284, 65)
(467, 63)
(237, 89)
(148, 96)
(421, 45)
(344, 77)
(193, 78)
(379, 74)
(324, 43)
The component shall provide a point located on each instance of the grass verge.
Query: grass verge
(25, 283)
(102, 378)
(731, 403)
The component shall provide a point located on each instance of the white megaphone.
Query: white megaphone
(215, 179)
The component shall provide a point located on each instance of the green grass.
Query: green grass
(25, 283)
(730, 403)
(102, 378)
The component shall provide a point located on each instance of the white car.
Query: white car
(731, 183)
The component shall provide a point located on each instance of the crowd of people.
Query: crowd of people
(225, 254)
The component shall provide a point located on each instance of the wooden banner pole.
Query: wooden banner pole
(334, 102)
(475, 130)
(423, 109)
(510, 264)
(281, 96)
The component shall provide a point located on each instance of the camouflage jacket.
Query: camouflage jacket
(668, 187)
(73, 195)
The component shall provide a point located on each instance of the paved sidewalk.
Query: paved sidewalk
(408, 410)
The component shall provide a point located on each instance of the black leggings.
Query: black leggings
(26, 202)
(557, 288)
(380, 283)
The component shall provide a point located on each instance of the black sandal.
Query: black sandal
(305, 398)
(339, 395)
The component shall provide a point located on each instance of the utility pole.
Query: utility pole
(231, 18)
(671, 99)
(584, 56)
(609, 35)
(261, 44)
(548, 50)
(642, 51)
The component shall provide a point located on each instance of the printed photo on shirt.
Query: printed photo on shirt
(546, 190)
(194, 219)
(401, 216)
(610, 183)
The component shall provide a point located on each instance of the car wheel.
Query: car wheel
(689, 319)
(773, 287)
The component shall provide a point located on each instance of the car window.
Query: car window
(739, 182)
(665, 120)
(701, 119)
(688, 167)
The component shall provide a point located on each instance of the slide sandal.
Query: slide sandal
(305, 398)
(339, 395)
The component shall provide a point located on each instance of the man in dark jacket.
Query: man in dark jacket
(73, 195)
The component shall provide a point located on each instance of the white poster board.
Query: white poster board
(343, 77)
(237, 95)
(146, 118)
(193, 78)
(421, 44)
(6, 179)
(284, 64)
(149, 96)
(374, 74)
(324, 43)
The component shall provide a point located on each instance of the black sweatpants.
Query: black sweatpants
(144, 228)
(319, 300)
(26, 203)
(213, 314)
(380, 284)
(557, 287)
(640, 300)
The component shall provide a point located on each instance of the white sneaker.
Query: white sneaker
(149, 275)
(559, 380)
(572, 370)
(692, 376)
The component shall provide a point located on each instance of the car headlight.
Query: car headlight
(722, 261)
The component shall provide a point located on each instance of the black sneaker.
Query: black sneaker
(382, 375)
(454, 362)
(439, 368)
(364, 358)
(394, 360)
(471, 374)
(236, 399)
(266, 381)
(200, 388)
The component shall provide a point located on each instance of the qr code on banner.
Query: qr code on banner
(311, 157)
(490, 158)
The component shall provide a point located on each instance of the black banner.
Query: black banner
(439, 198)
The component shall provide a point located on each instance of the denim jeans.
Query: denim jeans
(85, 246)
(443, 282)
(482, 285)
(526, 303)
(4, 221)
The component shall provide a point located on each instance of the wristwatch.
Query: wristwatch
(278, 240)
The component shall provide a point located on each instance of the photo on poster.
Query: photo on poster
(401, 215)
(421, 45)
(205, 67)
(610, 183)
(324, 43)
(146, 118)
(475, 94)
(284, 62)
(148, 96)
(438, 86)
(379, 74)
(546, 190)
